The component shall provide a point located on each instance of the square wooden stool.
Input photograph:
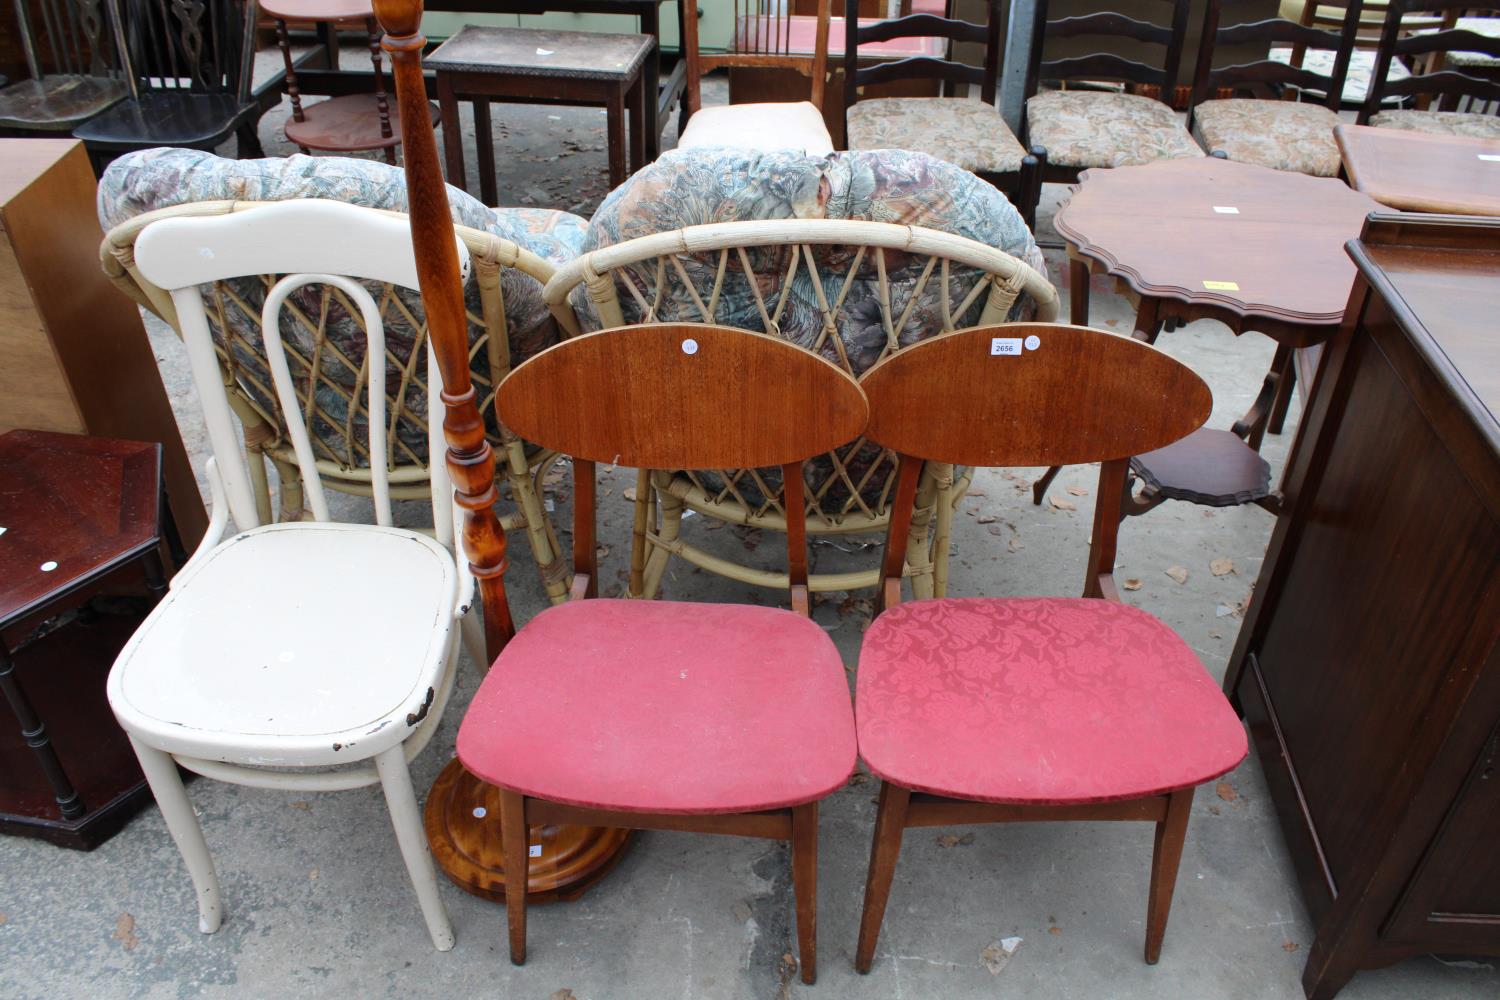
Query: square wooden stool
(536, 66)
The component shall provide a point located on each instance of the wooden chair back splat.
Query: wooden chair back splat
(923, 25)
(1445, 80)
(1024, 394)
(1103, 65)
(682, 396)
(80, 75)
(1267, 75)
(1052, 395)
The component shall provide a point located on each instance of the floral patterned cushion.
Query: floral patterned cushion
(158, 178)
(1282, 135)
(1038, 700)
(1356, 83)
(968, 133)
(1440, 122)
(1088, 128)
(710, 185)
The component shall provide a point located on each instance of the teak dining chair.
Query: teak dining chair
(714, 718)
(767, 35)
(986, 710)
(290, 648)
(970, 133)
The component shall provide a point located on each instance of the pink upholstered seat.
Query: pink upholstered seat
(1043, 701)
(667, 707)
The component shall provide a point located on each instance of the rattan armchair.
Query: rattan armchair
(852, 291)
(334, 408)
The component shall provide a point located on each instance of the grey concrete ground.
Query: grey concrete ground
(318, 904)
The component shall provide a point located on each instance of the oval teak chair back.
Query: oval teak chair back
(682, 396)
(1032, 394)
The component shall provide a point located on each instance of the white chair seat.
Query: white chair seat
(762, 127)
(294, 644)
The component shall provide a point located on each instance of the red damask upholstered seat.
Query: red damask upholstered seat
(1046, 701)
(664, 707)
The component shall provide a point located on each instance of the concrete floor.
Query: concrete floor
(317, 902)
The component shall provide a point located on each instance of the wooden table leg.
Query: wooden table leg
(34, 732)
(1078, 292)
(483, 138)
(453, 137)
(1252, 426)
(651, 25)
(615, 130)
(637, 100)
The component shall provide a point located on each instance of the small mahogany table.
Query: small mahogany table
(81, 524)
(351, 122)
(1418, 172)
(537, 66)
(1256, 249)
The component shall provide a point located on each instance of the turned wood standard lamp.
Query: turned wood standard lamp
(463, 813)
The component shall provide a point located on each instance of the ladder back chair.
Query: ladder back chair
(1277, 115)
(745, 740)
(80, 76)
(1333, 17)
(1456, 75)
(1046, 708)
(852, 291)
(969, 133)
(322, 331)
(188, 67)
(1090, 127)
(767, 35)
(288, 649)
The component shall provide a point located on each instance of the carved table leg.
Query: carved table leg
(35, 734)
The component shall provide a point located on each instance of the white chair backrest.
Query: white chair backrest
(307, 241)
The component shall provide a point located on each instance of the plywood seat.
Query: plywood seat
(664, 707)
(1210, 467)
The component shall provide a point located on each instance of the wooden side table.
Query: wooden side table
(81, 522)
(534, 66)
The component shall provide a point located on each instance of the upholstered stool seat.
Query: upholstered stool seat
(1040, 701)
(793, 125)
(967, 133)
(1478, 126)
(1090, 128)
(1282, 135)
(664, 707)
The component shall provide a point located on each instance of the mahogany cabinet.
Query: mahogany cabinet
(1368, 668)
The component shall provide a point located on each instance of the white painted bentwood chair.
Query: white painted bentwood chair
(289, 649)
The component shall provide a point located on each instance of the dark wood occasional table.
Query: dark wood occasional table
(1418, 172)
(1256, 249)
(539, 66)
(81, 529)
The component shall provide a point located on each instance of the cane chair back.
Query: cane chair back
(322, 328)
(682, 396)
(72, 62)
(1435, 74)
(1269, 77)
(851, 291)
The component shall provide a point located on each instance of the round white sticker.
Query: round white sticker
(48, 566)
(690, 346)
(1033, 342)
(480, 812)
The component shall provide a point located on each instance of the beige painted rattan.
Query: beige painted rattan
(841, 503)
(343, 459)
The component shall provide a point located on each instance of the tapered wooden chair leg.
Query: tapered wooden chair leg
(805, 886)
(515, 839)
(890, 821)
(1171, 833)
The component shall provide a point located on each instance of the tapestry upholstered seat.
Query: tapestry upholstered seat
(968, 133)
(1282, 135)
(1467, 123)
(1091, 128)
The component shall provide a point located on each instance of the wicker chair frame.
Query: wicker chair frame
(343, 458)
(839, 504)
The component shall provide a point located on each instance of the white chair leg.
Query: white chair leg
(402, 801)
(182, 823)
(471, 626)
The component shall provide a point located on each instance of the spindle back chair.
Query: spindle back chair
(72, 63)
